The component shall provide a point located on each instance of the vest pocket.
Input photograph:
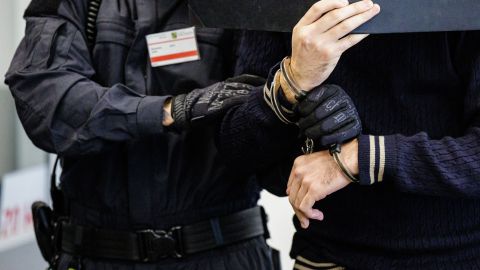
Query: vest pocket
(112, 45)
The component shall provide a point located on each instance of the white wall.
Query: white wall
(280, 225)
(16, 152)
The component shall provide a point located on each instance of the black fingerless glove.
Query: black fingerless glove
(201, 106)
(328, 116)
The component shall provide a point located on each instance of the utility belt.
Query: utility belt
(56, 234)
(154, 245)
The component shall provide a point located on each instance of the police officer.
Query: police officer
(142, 182)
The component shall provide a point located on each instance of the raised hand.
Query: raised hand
(322, 35)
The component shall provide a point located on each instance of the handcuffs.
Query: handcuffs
(335, 151)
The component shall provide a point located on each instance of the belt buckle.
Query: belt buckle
(160, 244)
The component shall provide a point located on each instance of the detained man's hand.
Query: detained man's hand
(323, 35)
(314, 177)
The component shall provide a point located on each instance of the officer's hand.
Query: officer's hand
(328, 116)
(322, 35)
(201, 106)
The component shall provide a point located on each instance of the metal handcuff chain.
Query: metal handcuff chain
(307, 149)
(309, 146)
(335, 151)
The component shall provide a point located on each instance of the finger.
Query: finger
(304, 221)
(300, 195)
(327, 121)
(317, 97)
(336, 16)
(294, 191)
(227, 104)
(247, 79)
(346, 133)
(321, 114)
(318, 215)
(321, 130)
(290, 180)
(318, 9)
(306, 207)
(352, 23)
(350, 41)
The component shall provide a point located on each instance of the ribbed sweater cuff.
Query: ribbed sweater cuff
(377, 158)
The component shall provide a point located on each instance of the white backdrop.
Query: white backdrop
(280, 225)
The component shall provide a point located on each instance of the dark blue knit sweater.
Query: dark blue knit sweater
(418, 96)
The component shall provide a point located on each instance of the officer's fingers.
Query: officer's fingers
(344, 28)
(344, 134)
(320, 114)
(229, 102)
(329, 126)
(335, 121)
(317, 97)
(307, 122)
(336, 16)
(247, 79)
(318, 9)
(240, 87)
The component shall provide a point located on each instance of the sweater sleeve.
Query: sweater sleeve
(418, 164)
(251, 137)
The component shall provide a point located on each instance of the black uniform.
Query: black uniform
(102, 112)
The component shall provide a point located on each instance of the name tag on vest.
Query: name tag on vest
(396, 16)
(173, 47)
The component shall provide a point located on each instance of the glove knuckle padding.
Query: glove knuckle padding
(203, 105)
(334, 118)
(307, 122)
(317, 97)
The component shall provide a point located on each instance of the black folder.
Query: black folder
(396, 16)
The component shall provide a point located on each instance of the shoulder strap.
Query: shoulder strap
(42, 7)
(58, 200)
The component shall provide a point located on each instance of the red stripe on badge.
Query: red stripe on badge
(173, 56)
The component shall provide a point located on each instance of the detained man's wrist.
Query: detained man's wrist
(275, 98)
(150, 115)
(167, 113)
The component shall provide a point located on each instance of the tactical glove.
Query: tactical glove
(328, 116)
(201, 106)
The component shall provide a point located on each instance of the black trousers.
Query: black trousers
(252, 254)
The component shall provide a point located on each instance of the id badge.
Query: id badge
(173, 47)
